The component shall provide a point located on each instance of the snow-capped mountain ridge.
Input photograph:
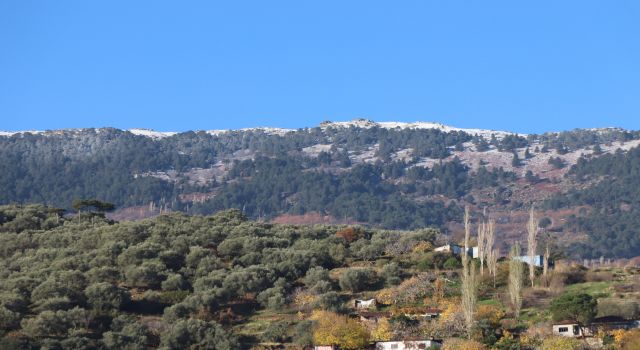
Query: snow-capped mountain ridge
(356, 123)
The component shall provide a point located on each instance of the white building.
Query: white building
(606, 323)
(450, 248)
(365, 304)
(406, 344)
(474, 252)
(538, 260)
(456, 249)
(569, 329)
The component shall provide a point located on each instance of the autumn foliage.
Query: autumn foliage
(383, 331)
(350, 234)
(627, 339)
(462, 344)
(561, 343)
(335, 329)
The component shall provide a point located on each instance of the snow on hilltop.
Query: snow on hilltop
(152, 133)
(366, 124)
(11, 133)
(271, 131)
(356, 123)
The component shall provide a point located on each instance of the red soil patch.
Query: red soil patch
(310, 219)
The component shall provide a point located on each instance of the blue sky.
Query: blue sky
(529, 66)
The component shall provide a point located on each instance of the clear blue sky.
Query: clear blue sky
(526, 66)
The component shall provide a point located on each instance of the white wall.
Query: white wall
(402, 345)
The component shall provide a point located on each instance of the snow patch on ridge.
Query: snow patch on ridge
(11, 133)
(152, 133)
(266, 130)
(366, 124)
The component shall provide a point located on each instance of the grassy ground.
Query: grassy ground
(534, 315)
(595, 289)
(490, 302)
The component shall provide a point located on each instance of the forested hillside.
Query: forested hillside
(614, 202)
(173, 282)
(388, 175)
(224, 282)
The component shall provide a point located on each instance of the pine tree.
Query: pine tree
(516, 160)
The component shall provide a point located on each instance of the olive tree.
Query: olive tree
(197, 334)
(106, 296)
(358, 279)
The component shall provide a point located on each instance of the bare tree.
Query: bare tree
(469, 296)
(545, 267)
(532, 228)
(493, 262)
(515, 280)
(467, 233)
(492, 252)
(482, 244)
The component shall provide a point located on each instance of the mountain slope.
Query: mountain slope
(392, 175)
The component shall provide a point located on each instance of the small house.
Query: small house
(457, 250)
(365, 304)
(474, 252)
(450, 248)
(538, 260)
(430, 313)
(406, 344)
(425, 314)
(571, 328)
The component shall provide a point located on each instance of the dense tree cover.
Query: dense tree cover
(92, 204)
(582, 138)
(224, 282)
(613, 220)
(80, 283)
(110, 164)
(581, 308)
(268, 186)
(283, 185)
(278, 176)
(102, 163)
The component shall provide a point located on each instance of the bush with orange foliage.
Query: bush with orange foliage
(492, 313)
(422, 247)
(449, 324)
(561, 343)
(350, 234)
(627, 340)
(387, 296)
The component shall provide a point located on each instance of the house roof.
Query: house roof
(604, 319)
(610, 319)
(374, 314)
(410, 339)
(565, 322)
(422, 310)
